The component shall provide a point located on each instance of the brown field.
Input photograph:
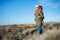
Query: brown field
(51, 31)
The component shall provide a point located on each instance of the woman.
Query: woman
(39, 18)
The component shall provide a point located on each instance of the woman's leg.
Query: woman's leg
(40, 29)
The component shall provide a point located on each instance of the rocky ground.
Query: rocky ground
(51, 31)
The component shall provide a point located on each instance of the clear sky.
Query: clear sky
(22, 11)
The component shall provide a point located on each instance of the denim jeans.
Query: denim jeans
(40, 27)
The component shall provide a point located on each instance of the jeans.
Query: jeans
(40, 27)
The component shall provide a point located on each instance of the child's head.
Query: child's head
(38, 7)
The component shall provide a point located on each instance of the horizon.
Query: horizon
(29, 23)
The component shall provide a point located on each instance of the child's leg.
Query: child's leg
(42, 22)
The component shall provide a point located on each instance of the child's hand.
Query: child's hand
(42, 22)
(39, 16)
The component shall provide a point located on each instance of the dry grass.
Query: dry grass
(29, 32)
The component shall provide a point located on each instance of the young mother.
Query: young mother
(39, 18)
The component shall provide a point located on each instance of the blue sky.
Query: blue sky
(22, 11)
